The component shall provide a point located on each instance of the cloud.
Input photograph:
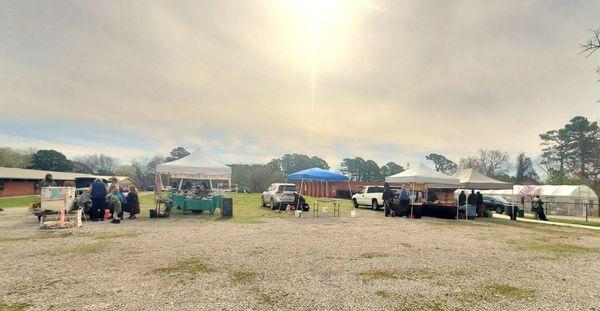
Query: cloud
(392, 80)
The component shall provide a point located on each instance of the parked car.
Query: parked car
(149, 188)
(497, 204)
(279, 194)
(370, 196)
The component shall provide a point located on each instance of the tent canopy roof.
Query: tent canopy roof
(421, 174)
(472, 179)
(316, 173)
(582, 191)
(195, 165)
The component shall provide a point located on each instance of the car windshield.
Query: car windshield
(288, 188)
(499, 199)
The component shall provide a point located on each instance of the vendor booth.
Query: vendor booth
(196, 166)
(423, 177)
(319, 175)
(471, 179)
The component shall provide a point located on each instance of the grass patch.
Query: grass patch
(191, 265)
(106, 235)
(419, 304)
(13, 307)
(441, 283)
(384, 294)
(460, 273)
(509, 292)
(244, 276)
(570, 221)
(266, 298)
(19, 202)
(246, 209)
(83, 249)
(103, 235)
(377, 274)
(549, 246)
(370, 255)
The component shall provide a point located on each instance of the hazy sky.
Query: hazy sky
(247, 81)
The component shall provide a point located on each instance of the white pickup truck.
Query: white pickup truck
(370, 196)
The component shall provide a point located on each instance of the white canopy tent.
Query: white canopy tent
(472, 179)
(422, 174)
(196, 165)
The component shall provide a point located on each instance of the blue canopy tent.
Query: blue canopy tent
(318, 174)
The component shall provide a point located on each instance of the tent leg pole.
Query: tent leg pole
(349, 189)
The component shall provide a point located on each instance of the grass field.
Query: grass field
(246, 208)
(570, 221)
(18, 201)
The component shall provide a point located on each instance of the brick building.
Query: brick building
(19, 181)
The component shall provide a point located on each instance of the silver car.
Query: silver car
(279, 194)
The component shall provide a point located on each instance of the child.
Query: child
(115, 200)
(133, 204)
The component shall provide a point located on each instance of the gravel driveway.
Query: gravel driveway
(368, 262)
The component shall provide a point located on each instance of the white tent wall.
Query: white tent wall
(567, 200)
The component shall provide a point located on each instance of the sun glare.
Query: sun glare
(316, 31)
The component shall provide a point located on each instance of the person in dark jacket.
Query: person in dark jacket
(133, 203)
(300, 202)
(479, 203)
(538, 207)
(48, 181)
(471, 204)
(387, 197)
(98, 193)
(462, 198)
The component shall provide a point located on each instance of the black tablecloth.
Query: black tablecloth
(438, 210)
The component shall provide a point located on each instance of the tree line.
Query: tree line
(569, 155)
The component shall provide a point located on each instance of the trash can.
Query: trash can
(227, 207)
(509, 211)
(417, 211)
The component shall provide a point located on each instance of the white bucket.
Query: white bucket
(298, 213)
(352, 214)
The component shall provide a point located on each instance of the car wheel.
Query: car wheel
(375, 205)
(500, 210)
(262, 201)
(355, 203)
(272, 204)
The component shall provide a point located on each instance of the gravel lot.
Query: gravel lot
(368, 262)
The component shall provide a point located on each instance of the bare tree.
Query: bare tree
(488, 162)
(593, 43)
(100, 164)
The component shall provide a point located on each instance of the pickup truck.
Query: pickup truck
(370, 196)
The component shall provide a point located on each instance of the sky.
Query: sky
(248, 81)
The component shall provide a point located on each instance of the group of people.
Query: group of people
(473, 201)
(390, 209)
(114, 199)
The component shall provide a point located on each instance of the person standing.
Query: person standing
(462, 198)
(387, 197)
(98, 193)
(479, 203)
(538, 207)
(404, 201)
(48, 181)
(471, 203)
(133, 203)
